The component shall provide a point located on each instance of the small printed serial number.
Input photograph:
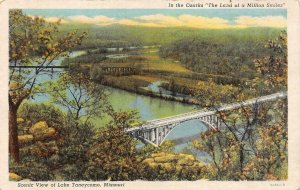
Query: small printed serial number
(277, 184)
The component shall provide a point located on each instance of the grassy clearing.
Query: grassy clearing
(146, 78)
(148, 60)
(152, 68)
(154, 62)
(191, 83)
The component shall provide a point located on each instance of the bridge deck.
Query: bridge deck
(197, 114)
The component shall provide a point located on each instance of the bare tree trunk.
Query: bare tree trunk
(13, 132)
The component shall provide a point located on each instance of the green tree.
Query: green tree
(114, 156)
(252, 144)
(73, 140)
(76, 140)
(32, 41)
(148, 149)
(209, 94)
(82, 97)
(273, 68)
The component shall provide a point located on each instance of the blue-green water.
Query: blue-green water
(147, 107)
(152, 108)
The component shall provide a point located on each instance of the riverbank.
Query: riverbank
(136, 69)
(139, 86)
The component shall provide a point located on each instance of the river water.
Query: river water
(147, 107)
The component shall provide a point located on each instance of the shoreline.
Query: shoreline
(151, 94)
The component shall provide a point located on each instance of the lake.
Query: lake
(147, 107)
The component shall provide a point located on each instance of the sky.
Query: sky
(192, 18)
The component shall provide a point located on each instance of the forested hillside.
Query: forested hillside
(122, 36)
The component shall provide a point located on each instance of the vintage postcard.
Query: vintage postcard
(165, 94)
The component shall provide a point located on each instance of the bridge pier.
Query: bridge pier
(215, 120)
(152, 136)
(156, 136)
(220, 123)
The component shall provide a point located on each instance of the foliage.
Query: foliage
(34, 112)
(209, 94)
(79, 95)
(225, 56)
(203, 56)
(71, 172)
(126, 82)
(32, 41)
(31, 168)
(148, 149)
(126, 36)
(173, 166)
(89, 58)
(251, 145)
(113, 157)
(273, 68)
(71, 144)
(76, 140)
